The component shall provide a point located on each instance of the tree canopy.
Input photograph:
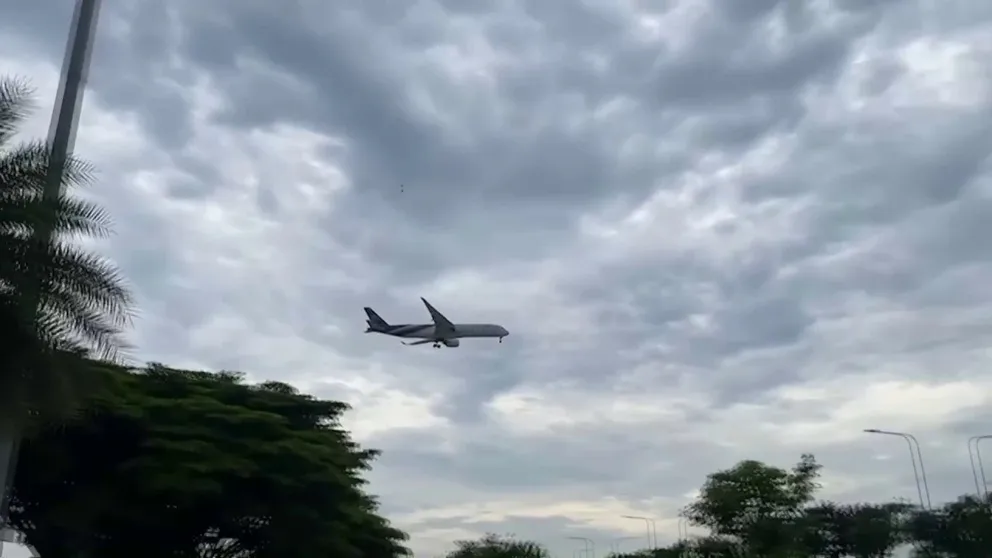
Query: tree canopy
(181, 463)
(498, 546)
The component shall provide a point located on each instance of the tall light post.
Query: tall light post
(590, 546)
(981, 490)
(683, 527)
(62, 135)
(649, 527)
(910, 441)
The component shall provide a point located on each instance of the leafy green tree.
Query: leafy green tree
(498, 546)
(859, 530)
(757, 506)
(57, 300)
(874, 530)
(956, 530)
(183, 463)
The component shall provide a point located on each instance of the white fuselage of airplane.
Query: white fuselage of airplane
(430, 331)
(441, 332)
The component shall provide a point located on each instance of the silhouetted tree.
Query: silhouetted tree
(174, 463)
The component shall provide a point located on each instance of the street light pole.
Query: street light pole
(649, 527)
(62, 135)
(683, 527)
(590, 546)
(983, 490)
(923, 470)
(910, 440)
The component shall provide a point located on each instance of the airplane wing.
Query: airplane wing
(442, 325)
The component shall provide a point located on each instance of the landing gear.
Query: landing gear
(437, 344)
(500, 339)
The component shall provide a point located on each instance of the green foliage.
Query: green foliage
(497, 546)
(754, 510)
(962, 528)
(756, 505)
(184, 463)
(57, 300)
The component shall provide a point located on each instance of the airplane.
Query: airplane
(441, 332)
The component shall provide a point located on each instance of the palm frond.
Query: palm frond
(82, 297)
(89, 294)
(15, 105)
(58, 301)
(23, 209)
(25, 168)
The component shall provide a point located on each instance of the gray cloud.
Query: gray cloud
(716, 230)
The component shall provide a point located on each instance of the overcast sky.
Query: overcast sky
(715, 230)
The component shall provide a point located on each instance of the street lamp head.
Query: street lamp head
(872, 430)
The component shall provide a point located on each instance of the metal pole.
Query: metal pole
(981, 466)
(974, 471)
(62, 135)
(683, 527)
(923, 469)
(912, 458)
(648, 523)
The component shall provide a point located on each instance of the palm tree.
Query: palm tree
(58, 301)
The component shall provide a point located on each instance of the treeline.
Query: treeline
(176, 463)
(754, 510)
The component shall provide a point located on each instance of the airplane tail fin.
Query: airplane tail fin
(375, 321)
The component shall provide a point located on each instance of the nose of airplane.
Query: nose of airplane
(505, 332)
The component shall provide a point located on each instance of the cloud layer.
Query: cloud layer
(716, 230)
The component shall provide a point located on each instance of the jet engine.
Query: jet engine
(452, 342)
